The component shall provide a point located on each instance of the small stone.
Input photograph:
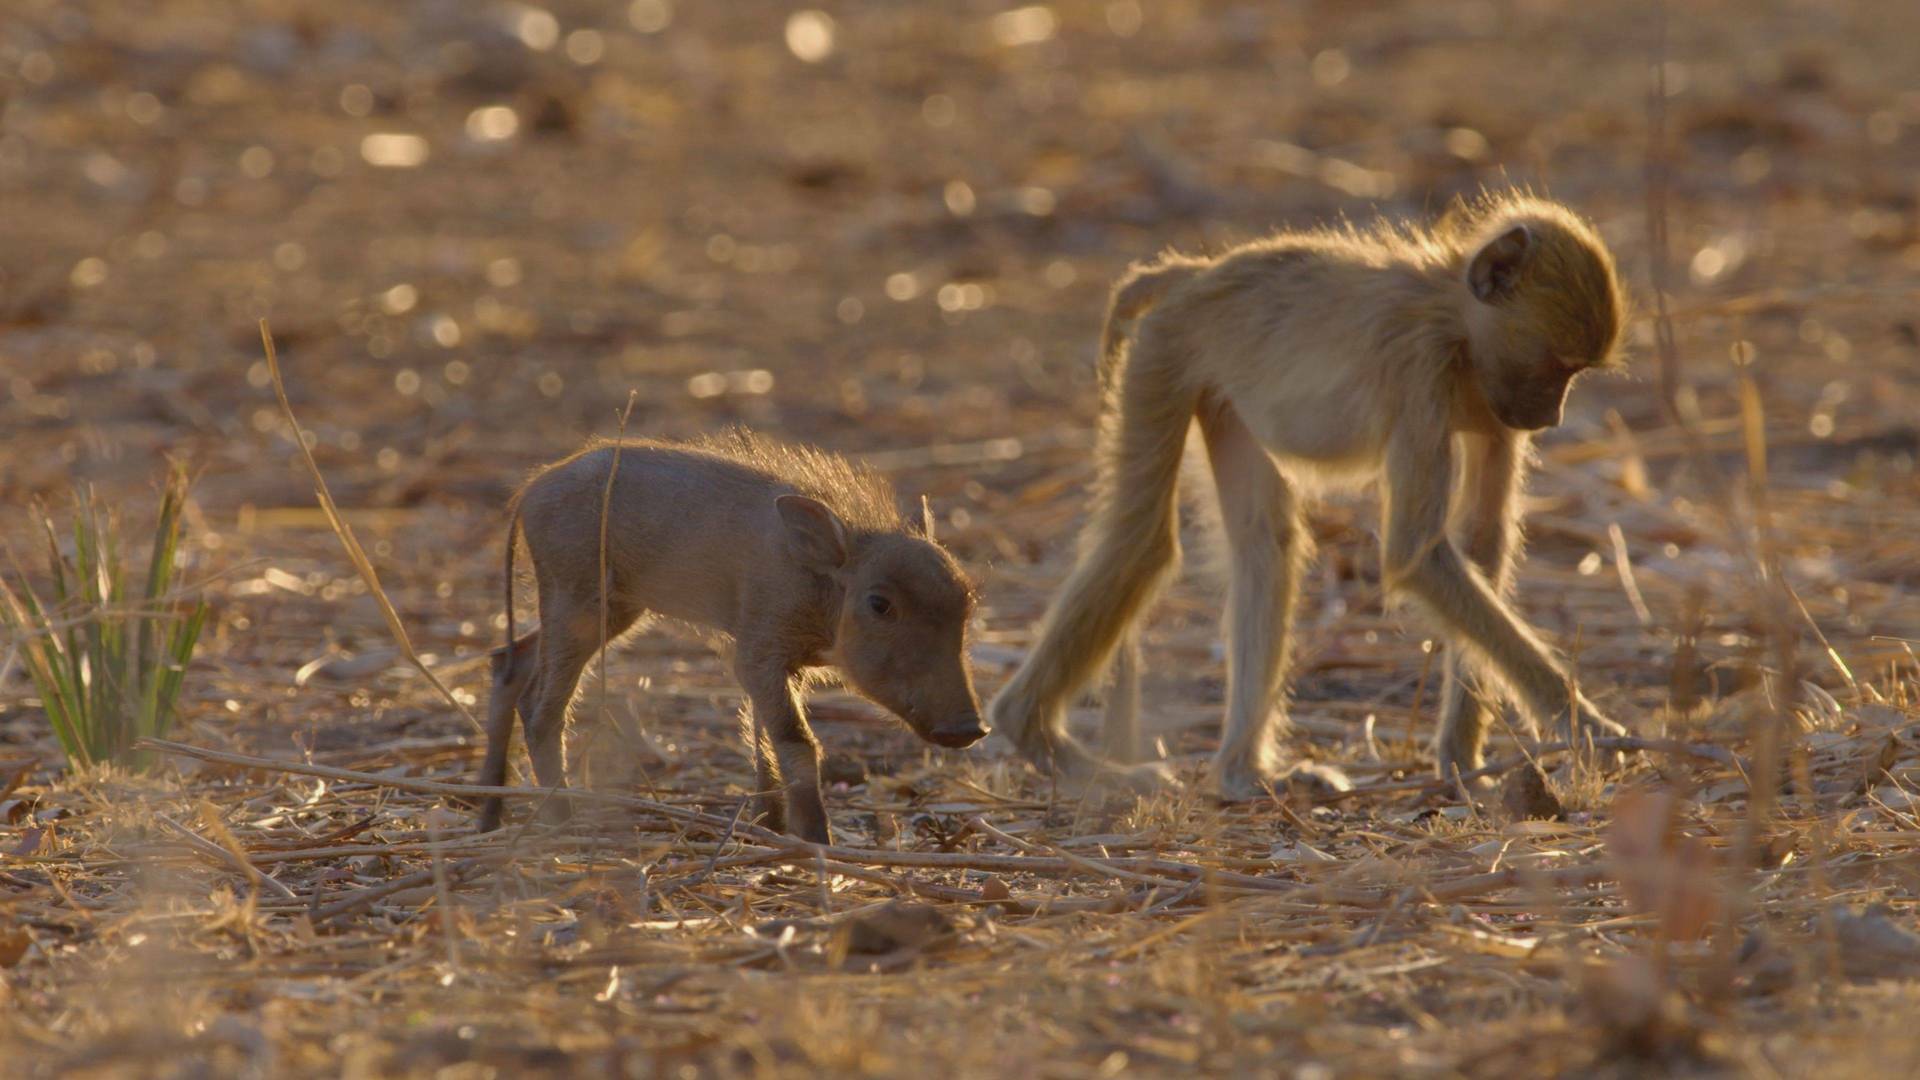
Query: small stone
(1526, 795)
(1874, 945)
(895, 926)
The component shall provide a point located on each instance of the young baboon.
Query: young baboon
(1420, 357)
(800, 559)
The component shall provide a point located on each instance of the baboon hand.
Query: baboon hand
(1242, 780)
(1056, 753)
(1084, 770)
(1015, 718)
(1590, 723)
(1095, 774)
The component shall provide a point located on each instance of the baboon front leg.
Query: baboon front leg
(1492, 469)
(1268, 546)
(1120, 730)
(774, 698)
(513, 671)
(1130, 545)
(1421, 560)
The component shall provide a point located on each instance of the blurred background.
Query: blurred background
(476, 227)
(888, 228)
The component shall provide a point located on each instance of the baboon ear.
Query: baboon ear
(815, 535)
(1496, 267)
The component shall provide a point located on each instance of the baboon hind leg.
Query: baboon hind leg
(1130, 548)
(1268, 547)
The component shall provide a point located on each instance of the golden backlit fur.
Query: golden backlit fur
(1418, 357)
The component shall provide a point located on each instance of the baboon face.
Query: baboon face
(1530, 394)
(1547, 309)
(903, 637)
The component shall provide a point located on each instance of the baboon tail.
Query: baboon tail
(1138, 289)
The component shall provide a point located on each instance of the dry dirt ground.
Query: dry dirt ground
(477, 226)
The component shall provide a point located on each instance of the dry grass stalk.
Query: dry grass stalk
(355, 553)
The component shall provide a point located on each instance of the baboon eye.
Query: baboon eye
(879, 605)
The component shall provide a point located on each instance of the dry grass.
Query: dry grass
(697, 216)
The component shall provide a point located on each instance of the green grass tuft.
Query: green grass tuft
(107, 662)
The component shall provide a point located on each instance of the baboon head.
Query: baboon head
(1546, 306)
(901, 632)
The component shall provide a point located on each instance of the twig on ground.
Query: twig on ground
(254, 875)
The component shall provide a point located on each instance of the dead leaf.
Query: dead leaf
(347, 667)
(15, 773)
(1637, 1013)
(1299, 851)
(14, 943)
(1312, 781)
(1512, 946)
(1662, 870)
(1875, 762)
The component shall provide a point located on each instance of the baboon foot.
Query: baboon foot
(1244, 771)
(1453, 759)
(1242, 780)
(1142, 778)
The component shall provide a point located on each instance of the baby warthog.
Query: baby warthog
(799, 558)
